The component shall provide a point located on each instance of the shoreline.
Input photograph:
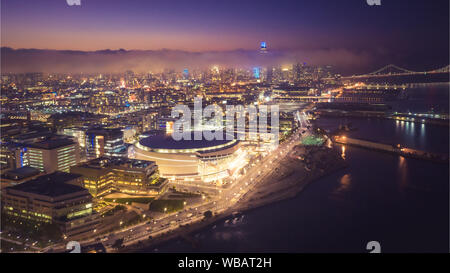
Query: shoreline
(269, 197)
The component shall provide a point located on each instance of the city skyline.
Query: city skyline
(224, 127)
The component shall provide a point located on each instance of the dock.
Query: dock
(394, 149)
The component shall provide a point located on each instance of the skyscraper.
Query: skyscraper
(269, 75)
(263, 47)
(185, 74)
(297, 72)
(257, 72)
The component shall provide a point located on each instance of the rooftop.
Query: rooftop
(166, 141)
(105, 131)
(51, 143)
(20, 173)
(104, 162)
(52, 185)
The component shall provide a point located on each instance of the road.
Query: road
(223, 202)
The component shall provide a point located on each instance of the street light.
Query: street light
(165, 209)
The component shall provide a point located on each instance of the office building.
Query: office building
(16, 176)
(105, 142)
(57, 198)
(106, 174)
(52, 154)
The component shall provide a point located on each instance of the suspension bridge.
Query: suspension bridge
(393, 70)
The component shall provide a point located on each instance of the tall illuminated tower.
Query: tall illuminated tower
(263, 47)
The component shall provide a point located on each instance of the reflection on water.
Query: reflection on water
(403, 173)
(329, 143)
(379, 195)
(229, 235)
(343, 152)
(422, 131)
(409, 134)
(344, 184)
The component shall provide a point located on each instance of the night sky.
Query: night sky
(407, 32)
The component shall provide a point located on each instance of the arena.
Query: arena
(191, 160)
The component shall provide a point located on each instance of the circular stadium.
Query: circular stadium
(189, 160)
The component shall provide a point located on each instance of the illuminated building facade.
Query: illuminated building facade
(191, 160)
(78, 133)
(53, 198)
(257, 72)
(105, 142)
(96, 179)
(104, 175)
(11, 157)
(263, 47)
(52, 155)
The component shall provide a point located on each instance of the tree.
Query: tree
(208, 214)
(118, 243)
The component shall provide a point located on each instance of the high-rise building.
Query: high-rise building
(150, 121)
(11, 156)
(297, 72)
(52, 154)
(257, 72)
(78, 133)
(105, 142)
(269, 75)
(263, 47)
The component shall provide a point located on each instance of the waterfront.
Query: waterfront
(400, 202)
(113, 117)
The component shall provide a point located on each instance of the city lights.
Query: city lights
(286, 127)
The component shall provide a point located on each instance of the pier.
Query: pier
(422, 118)
(395, 149)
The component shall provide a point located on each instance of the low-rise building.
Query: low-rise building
(56, 198)
(16, 176)
(105, 174)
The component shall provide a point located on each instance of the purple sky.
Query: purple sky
(414, 32)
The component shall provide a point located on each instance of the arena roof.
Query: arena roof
(166, 141)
